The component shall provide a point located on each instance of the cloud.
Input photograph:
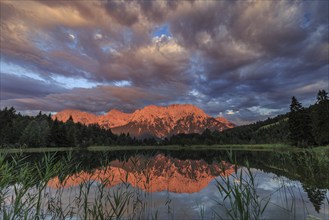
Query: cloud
(13, 86)
(231, 112)
(97, 99)
(246, 57)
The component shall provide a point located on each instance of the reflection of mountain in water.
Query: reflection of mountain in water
(153, 174)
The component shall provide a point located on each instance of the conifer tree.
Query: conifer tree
(71, 132)
(58, 134)
(31, 135)
(300, 125)
(7, 117)
(44, 133)
(321, 119)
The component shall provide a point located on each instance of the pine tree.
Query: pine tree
(300, 125)
(31, 135)
(322, 96)
(44, 133)
(295, 106)
(58, 134)
(7, 117)
(294, 121)
(321, 119)
(71, 132)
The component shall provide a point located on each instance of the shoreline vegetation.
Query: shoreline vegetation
(241, 147)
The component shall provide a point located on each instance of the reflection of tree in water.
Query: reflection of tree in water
(316, 196)
(305, 166)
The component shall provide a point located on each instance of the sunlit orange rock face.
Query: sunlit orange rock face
(78, 116)
(154, 174)
(156, 121)
(114, 118)
(226, 122)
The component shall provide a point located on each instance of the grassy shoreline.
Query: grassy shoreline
(193, 147)
(37, 149)
(246, 147)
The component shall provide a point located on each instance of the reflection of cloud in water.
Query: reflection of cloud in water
(189, 206)
(288, 200)
(271, 182)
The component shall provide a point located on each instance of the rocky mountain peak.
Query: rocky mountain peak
(156, 121)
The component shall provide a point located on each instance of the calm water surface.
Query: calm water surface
(179, 184)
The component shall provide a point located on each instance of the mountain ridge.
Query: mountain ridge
(151, 121)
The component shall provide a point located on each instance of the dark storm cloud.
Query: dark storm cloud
(129, 12)
(263, 55)
(242, 58)
(96, 100)
(249, 31)
(13, 86)
(120, 12)
(158, 64)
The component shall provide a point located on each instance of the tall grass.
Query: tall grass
(240, 198)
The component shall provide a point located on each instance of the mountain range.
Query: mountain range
(151, 121)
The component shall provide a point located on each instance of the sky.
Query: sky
(242, 60)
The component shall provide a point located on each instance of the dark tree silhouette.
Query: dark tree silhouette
(300, 125)
(321, 119)
(31, 135)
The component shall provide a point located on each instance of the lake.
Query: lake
(165, 184)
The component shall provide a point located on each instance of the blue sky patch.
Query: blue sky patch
(161, 30)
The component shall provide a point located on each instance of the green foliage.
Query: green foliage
(7, 117)
(45, 133)
(321, 119)
(58, 135)
(31, 135)
(295, 106)
(42, 131)
(310, 126)
(322, 96)
(239, 190)
(300, 125)
(270, 131)
(71, 132)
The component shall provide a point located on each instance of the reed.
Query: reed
(240, 198)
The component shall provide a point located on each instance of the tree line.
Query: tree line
(300, 127)
(42, 131)
(309, 126)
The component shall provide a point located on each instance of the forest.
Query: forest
(301, 127)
